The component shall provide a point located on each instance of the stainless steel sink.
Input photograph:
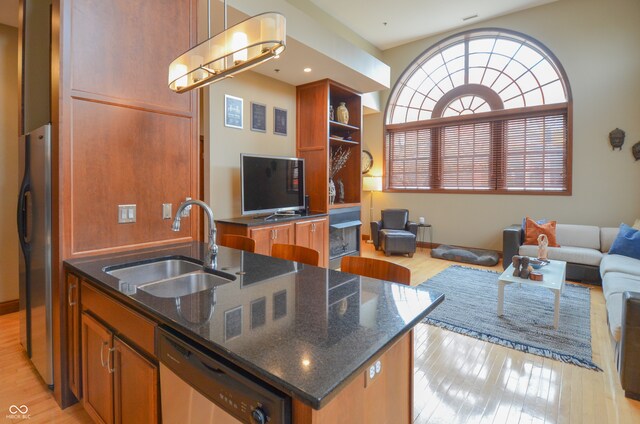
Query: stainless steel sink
(183, 285)
(162, 269)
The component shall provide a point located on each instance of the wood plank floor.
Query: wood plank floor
(458, 379)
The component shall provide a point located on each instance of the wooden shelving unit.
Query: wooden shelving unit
(318, 136)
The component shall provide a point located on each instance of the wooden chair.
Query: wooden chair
(238, 242)
(296, 253)
(376, 268)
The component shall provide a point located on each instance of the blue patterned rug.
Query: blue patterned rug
(469, 308)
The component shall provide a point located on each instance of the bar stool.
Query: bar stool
(376, 268)
(296, 253)
(238, 242)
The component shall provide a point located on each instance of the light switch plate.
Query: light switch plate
(126, 214)
(166, 211)
(186, 211)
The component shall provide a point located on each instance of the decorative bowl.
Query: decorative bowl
(538, 263)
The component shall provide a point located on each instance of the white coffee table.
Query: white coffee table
(554, 276)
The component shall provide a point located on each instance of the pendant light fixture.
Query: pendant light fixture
(236, 49)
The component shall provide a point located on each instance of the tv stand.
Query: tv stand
(309, 231)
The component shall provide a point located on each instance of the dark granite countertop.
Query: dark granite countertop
(251, 221)
(305, 330)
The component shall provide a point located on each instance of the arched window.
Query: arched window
(485, 110)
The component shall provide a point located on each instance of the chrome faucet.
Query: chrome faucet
(212, 251)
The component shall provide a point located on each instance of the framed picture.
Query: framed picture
(233, 111)
(279, 121)
(258, 117)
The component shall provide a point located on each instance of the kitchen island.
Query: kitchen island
(339, 346)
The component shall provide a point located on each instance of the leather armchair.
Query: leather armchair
(394, 233)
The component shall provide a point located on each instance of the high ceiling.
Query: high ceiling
(9, 12)
(390, 23)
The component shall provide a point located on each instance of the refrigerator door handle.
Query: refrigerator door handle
(24, 200)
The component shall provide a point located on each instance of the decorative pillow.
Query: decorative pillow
(636, 224)
(627, 243)
(540, 221)
(533, 230)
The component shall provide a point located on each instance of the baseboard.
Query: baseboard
(9, 307)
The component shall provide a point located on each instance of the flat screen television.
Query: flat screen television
(271, 184)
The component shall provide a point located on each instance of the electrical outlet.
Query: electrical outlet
(126, 214)
(186, 211)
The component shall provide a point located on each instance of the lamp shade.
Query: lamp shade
(371, 183)
(235, 49)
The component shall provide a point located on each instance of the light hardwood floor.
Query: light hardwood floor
(458, 379)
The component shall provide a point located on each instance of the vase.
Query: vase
(340, 191)
(342, 113)
(332, 115)
(332, 192)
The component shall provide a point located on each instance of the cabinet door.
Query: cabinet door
(313, 234)
(282, 234)
(262, 236)
(97, 382)
(135, 382)
(73, 334)
(319, 237)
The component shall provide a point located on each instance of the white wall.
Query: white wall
(226, 144)
(8, 162)
(597, 43)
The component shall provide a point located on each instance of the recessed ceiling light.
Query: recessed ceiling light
(307, 69)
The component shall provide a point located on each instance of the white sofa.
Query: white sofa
(585, 249)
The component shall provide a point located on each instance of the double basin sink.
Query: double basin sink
(167, 277)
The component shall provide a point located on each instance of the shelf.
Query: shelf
(335, 141)
(336, 124)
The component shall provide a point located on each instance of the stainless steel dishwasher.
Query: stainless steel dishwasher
(198, 386)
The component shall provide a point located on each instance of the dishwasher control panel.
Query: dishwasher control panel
(232, 389)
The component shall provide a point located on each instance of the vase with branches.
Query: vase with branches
(339, 158)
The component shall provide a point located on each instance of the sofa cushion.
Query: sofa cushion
(576, 255)
(619, 263)
(607, 236)
(614, 315)
(627, 242)
(617, 282)
(533, 230)
(578, 236)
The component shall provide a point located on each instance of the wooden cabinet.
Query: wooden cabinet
(318, 137)
(135, 385)
(314, 234)
(120, 385)
(268, 235)
(97, 381)
(73, 334)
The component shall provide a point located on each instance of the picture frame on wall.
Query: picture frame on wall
(233, 111)
(279, 121)
(258, 117)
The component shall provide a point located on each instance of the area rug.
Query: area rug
(471, 299)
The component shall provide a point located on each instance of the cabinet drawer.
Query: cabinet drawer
(126, 322)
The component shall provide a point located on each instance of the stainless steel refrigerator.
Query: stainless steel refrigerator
(34, 232)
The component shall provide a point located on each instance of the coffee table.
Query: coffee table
(554, 276)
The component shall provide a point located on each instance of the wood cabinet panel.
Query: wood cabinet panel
(122, 48)
(96, 379)
(123, 156)
(314, 234)
(134, 326)
(266, 235)
(73, 335)
(136, 388)
(387, 399)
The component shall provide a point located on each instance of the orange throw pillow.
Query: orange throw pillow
(533, 230)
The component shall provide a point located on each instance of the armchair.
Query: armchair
(394, 233)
